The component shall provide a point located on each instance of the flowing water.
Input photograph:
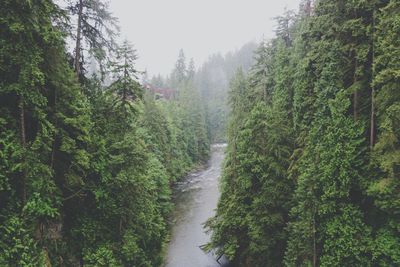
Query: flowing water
(195, 201)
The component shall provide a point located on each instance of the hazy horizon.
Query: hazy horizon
(159, 29)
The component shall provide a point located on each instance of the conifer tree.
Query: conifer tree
(95, 32)
(51, 126)
(384, 184)
(179, 74)
(319, 93)
(229, 225)
(125, 89)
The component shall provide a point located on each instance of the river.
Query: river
(195, 199)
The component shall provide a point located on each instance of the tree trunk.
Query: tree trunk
(23, 142)
(355, 105)
(314, 241)
(372, 133)
(78, 40)
(372, 117)
(355, 100)
(53, 153)
(53, 150)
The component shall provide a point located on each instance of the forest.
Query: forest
(87, 154)
(91, 146)
(311, 176)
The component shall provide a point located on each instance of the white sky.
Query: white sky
(159, 28)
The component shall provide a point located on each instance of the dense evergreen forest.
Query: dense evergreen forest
(86, 157)
(90, 146)
(313, 162)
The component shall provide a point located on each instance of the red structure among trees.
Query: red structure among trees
(165, 93)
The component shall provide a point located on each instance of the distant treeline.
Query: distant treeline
(86, 157)
(312, 174)
(211, 80)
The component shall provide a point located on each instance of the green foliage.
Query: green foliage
(298, 172)
(330, 179)
(384, 187)
(230, 226)
(103, 256)
(17, 245)
(85, 170)
(348, 241)
(125, 87)
(256, 183)
(10, 153)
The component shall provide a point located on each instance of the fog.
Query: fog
(159, 28)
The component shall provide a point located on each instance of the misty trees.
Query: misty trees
(179, 73)
(190, 106)
(230, 226)
(94, 31)
(212, 80)
(125, 87)
(257, 179)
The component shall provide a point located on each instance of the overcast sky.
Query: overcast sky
(159, 28)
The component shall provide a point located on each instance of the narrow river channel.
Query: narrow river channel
(195, 201)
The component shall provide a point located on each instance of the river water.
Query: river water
(195, 201)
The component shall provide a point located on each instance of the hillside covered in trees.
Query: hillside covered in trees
(90, 146)
(86, 158)
(313, 162)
